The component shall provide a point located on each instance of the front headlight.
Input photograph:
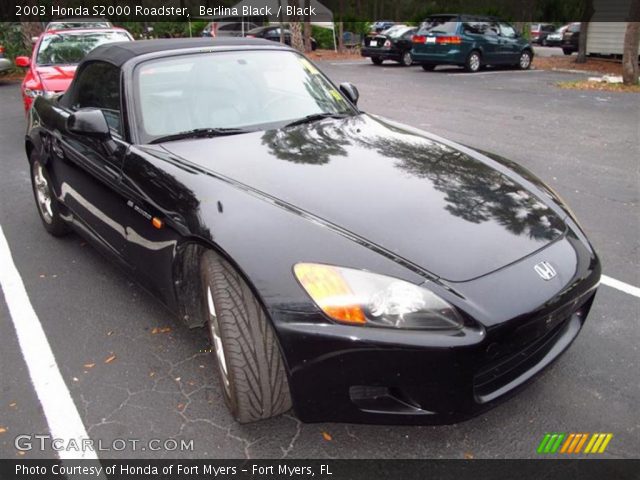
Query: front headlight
(363, 298)
(37, 93)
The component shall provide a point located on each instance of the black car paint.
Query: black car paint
(399, 46)
(254, 217)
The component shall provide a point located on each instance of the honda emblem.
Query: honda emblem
(545, 270)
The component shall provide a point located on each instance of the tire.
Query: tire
(406, 60)
(376, 60)
(473, 61)
(46, 201)
(567, 51)
(428, 67)
(524, 62)
(543, 42)
(250, 365)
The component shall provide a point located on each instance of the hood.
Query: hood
(56, 78)
(457, 215)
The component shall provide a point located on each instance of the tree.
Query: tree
(307, 27)
(341, 27)
(630, 53)
(295, 25)
(587, 13)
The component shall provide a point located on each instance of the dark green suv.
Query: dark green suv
(469, 41)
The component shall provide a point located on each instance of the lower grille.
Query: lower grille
(490, 381)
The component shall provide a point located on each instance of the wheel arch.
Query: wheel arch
(187, 282)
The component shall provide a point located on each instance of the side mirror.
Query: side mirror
(89, 122)
(22, 62)
(350, 91)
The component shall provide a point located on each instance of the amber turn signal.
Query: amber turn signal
(328, 289)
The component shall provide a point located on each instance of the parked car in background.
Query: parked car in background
(555, 39)
(392, 44)
(56, 56)
(540, 31)
(5, 63)
(75, 23)
(272, 32)
(382, 25)
(571, 38)
(227, 29)
(469, 41)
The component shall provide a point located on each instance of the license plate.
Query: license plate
(431, 39)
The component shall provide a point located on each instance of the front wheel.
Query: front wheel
(524, 63)
(473, 62)
(250, 365)
(376, 60)
(567, 51)
(46, 201)
(406, 59)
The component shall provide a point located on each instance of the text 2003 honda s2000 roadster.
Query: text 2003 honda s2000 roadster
(351, 267)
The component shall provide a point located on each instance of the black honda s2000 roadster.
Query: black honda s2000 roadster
(346, 265)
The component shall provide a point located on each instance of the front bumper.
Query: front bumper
(387, 376)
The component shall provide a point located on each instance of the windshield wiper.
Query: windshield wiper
(315, 117)
(200, 133)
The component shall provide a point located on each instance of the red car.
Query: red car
(56, 55)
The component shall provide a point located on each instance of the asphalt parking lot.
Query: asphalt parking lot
(133, 372)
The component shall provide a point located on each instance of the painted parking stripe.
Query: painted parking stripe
(60, 411)
(618, 285)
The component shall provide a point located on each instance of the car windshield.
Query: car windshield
(439, 25)
(68, 48)
(249, 90)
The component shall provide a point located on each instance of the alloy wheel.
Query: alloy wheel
(214, 328)
(43, 193)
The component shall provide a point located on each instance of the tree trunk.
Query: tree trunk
(582, 43)
(630, 56)
(341, 27)
(307, 27)
(30, 30)
(296, 36)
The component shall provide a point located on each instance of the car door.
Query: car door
(509, 44)
(492, 44)
(87, 171)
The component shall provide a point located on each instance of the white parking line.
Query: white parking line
(618, 285)
(60, 411)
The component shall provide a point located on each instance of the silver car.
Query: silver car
(5, 63)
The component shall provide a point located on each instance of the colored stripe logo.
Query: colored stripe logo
(574, 443)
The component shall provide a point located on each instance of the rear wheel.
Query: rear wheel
(250, 365)
(47, 203)
(473, 62)
(524, 63)
(428, 67)
(567, 51)
(405, 59)
(376, 60)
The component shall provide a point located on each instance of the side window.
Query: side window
(477, 28)
(507, 30)
(98, 86)
(492, 29)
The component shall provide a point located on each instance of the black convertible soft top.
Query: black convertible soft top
(120, 52)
